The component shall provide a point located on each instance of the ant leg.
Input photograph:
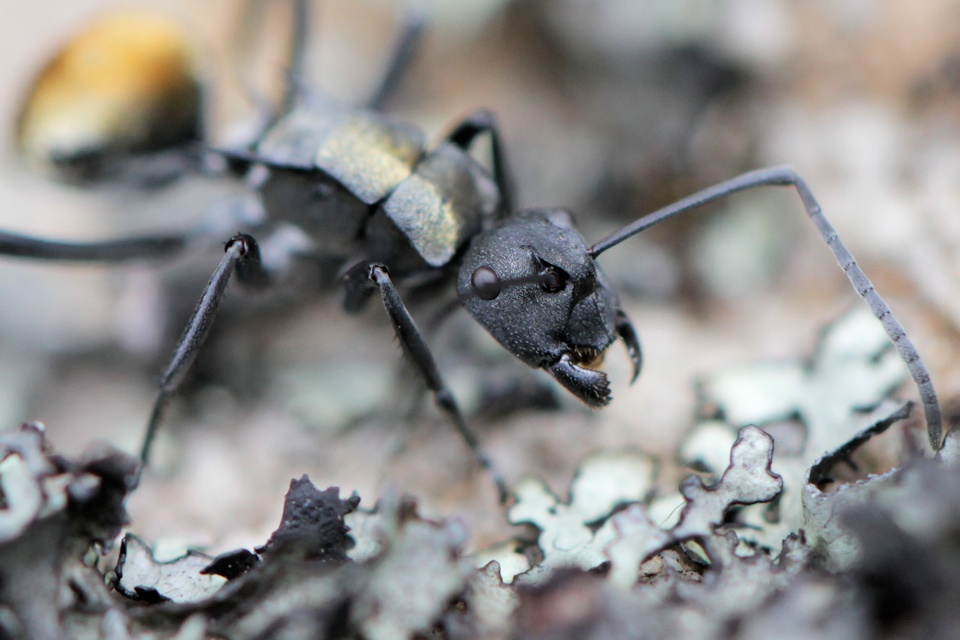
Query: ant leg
(246, 32)
(152, 246)
(122, 250)
(242, 255)
(417, 350)
(786, 176)
(299, 32)
(404, 49)
(241, 46)
(463, 135)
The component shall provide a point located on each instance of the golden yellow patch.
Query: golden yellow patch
(368, 157)
(126, 82)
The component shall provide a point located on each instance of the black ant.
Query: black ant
(364, 190)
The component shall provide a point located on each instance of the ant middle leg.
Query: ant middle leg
(242, 258)
(466, 132)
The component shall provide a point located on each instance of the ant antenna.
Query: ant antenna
(786, 176)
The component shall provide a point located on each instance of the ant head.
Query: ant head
(531, 282)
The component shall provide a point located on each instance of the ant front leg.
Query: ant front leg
(242, 256)
(415, 347)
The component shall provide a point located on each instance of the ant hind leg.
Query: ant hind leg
(405, 48)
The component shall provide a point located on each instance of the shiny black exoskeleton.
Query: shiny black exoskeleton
(360, 184)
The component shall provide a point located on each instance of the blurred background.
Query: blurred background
(609, 108)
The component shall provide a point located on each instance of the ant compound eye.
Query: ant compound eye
(552, 280)
(486, 283)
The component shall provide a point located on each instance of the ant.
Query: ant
(364, 190)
